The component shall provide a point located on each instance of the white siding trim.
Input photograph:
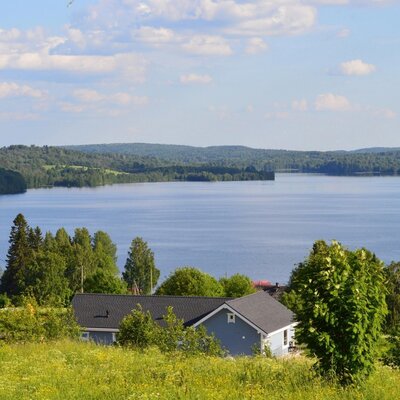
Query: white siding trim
(101, 330)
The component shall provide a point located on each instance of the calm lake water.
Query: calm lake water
(258, 228)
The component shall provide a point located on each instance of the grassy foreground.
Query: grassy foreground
(68, 370)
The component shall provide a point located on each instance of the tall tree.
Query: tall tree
(338, 296)
(105, 253)
(18, 257)
(141, 274)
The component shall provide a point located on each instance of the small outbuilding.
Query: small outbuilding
(242, 325)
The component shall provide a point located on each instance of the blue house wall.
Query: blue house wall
(238, 338)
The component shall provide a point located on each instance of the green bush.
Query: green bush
(31, 324)
(138, 330)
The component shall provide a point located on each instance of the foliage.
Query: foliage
(189, 281)
(76, 370)
(53, 268)
(392, 355)
(139, 330)
(237, 285)
(393, 297)
(32, 324)
(5, 301)
(104, 282)
(369, 161)
(11, 182)
(55, 166)
(140, 274)
(340, 303)
(18, 257)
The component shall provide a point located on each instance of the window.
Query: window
(285, 337)
(114, 337)
(231, 318)
(85, 336)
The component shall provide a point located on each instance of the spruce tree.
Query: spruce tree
(18, 258)
(141, 274)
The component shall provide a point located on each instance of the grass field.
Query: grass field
(79, 371)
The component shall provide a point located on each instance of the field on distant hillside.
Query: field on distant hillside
(68, 370)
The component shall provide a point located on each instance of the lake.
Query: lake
(261, 229)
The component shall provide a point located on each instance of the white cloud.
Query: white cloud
(356, 67)
(332, 102)
(300, 105)
(208, 45)
(256, 45)
(290, 19)
(12, 89)
(120, 98)
(195, 78)
(155, 36)
(88, 95)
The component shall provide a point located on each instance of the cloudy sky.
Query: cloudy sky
(294, 74)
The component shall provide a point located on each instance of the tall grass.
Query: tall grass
(69, 370)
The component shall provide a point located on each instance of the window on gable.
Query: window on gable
(231, 318)
(285, 337)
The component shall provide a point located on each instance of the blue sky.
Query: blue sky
(294, 74)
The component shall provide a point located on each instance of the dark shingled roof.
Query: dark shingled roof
(263, 311)
(91, 309)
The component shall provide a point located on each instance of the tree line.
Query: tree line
(360, 162)
(52, 268)
(53, 166)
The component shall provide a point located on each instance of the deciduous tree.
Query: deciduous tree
(338, 296)
(189, 281)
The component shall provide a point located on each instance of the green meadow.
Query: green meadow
(69, 370)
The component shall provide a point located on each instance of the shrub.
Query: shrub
(30, 324)
(338, 296)
(138, 330)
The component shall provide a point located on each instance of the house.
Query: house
(241, 325)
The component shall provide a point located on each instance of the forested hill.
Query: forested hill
(375, 161)
(55, 166)
(11, 182)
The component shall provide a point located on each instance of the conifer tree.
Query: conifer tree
(18, 257)
(141, 274)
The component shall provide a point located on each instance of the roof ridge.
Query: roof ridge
(153, 296)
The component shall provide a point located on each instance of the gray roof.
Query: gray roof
(107, 310)
(263, 311)
(91, 309)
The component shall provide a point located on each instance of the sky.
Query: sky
(291, 74)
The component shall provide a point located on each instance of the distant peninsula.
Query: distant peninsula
(101, 164)
(63, 167)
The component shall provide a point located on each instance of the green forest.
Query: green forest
(24, 167)
(11, 182)
(374, 161)
(54, 166)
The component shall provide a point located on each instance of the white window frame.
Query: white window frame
(286, 331)
(231, 318)
(114, 337)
